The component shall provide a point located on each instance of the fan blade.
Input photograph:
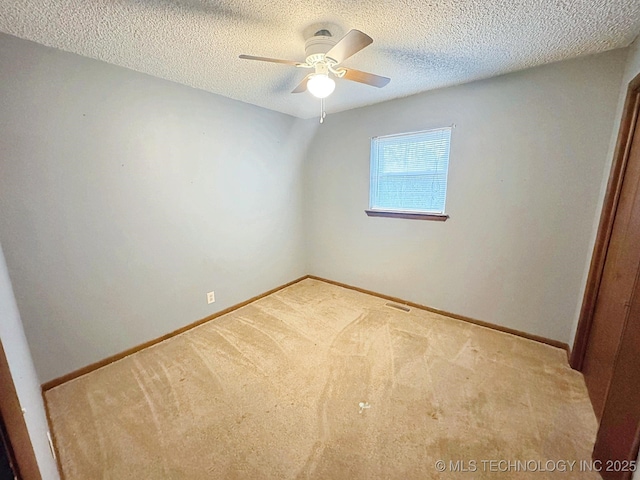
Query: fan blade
(302, 86)
(272, 60)
(351, 43)
(364, 77)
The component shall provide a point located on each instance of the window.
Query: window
(409, 174)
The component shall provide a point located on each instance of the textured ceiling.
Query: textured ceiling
(420, 44)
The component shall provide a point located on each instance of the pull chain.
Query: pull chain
(322, 112)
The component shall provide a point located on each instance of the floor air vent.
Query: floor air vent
(403, 308)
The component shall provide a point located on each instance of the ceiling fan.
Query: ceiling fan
(324, 55)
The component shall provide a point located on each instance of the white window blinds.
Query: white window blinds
(409, 171)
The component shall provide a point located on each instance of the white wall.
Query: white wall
(527, 158)
(24, 375)
(125, 198)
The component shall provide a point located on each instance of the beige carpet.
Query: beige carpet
(272, 391)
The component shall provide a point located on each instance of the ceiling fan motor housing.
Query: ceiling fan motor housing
(316, 46)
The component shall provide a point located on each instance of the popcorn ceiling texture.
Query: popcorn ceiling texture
(421, 45)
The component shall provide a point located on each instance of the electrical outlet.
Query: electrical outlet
(211, 297)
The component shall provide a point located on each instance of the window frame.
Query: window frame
(406, 214)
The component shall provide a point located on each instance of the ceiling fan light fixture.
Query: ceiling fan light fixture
(320, 85)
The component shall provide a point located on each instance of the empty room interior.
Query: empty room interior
(328, 240)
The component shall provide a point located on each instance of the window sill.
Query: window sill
(438, 217)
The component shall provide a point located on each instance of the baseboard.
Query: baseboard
(114, 358)
(118, 356)
(493, 326)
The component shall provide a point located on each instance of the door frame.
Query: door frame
(21, 449)
(618, 436)
(630, 116)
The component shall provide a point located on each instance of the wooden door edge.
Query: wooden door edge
(630, 113)
(15, 425)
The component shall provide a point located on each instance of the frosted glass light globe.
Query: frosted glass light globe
(320, 85)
